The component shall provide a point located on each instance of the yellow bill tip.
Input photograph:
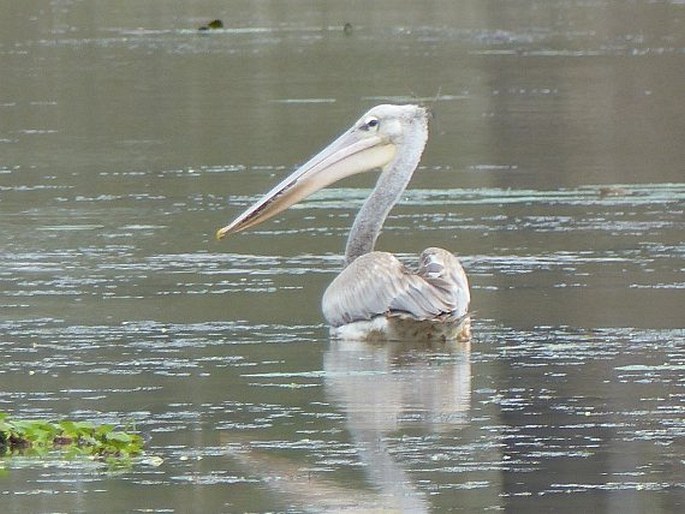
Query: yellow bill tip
(220, 234)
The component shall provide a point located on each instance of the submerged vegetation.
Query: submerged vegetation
(71, 438)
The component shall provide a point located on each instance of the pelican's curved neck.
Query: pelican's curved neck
(389, 188)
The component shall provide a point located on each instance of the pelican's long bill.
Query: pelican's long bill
(357, 150)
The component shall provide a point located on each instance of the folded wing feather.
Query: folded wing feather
(377, 283)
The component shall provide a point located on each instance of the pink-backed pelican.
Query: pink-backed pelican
(375, 296)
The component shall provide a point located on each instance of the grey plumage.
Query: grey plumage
(377, 283)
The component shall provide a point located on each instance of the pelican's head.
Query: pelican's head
(373, 142)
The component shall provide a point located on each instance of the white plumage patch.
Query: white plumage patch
(384, 328)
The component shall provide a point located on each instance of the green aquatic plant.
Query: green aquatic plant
(72, 438)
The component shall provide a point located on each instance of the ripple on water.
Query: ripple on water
(558, 416)
(222, 401)
(568, 417)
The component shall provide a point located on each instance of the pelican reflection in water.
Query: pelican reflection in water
(376, 297)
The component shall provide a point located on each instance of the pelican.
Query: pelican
(376, 297)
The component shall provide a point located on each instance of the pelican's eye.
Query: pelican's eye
(372, 123)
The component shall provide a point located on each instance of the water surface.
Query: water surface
(554, 170)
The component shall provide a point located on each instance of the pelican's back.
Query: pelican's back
(377, 290)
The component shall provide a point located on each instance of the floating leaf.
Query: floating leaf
(73, 438)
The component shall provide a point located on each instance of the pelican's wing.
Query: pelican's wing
(377, 283)
(444, 272)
